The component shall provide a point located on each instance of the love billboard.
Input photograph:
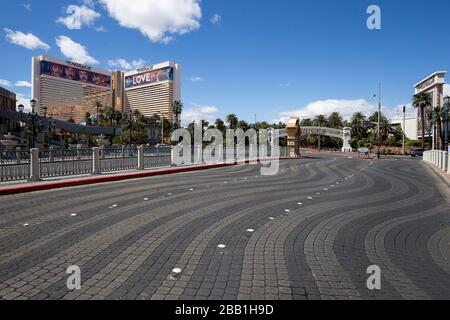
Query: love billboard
(149, 77)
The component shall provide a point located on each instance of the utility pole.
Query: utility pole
(379, 120)
(404, 128)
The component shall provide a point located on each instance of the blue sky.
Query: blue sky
(269, 58)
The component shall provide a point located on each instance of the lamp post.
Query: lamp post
(446, 111)
(33, 114)
(131, 126)
(404, 129)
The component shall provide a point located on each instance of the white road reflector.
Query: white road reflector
(250, 230)
(26, 225)
(73, 214)
(221, 246)
(287, 210)
(299, 203)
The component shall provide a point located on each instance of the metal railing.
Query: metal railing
(57, 163)
(157, 157)
(14, 165)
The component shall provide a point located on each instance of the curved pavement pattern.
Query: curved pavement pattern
(309, 232)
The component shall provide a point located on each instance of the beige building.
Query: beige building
(68, 90)
(433, 85)
(153, 89)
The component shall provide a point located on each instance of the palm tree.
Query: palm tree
(177, 107)
(421, 101)
(386, 127)
(232, 120)
(359, 125)
(243, 125)
(219, 124)
(335, 120)
(439, 115)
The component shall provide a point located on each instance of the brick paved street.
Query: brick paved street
(317, 226)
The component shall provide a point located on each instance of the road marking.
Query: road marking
(325, 189)
(310, 198)
(145, 199)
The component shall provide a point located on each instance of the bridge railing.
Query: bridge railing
(439, 159)
(14, 165)
(40, 164)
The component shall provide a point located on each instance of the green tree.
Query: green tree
(232, 120)
(177, 108)
(335, 120)
(87, 119)
(243, 125)
(358, 123)
(219, 124)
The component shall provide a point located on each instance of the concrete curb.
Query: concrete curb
(117, 177)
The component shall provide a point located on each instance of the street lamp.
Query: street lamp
(131, 127)
(446, 111)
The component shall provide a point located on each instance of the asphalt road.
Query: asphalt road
(317, 226)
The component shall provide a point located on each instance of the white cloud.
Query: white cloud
(23, 84)
(74, 51)
(345, 107)
(216, 19)
(5, 83)
(29, 40)
(26, 6)
(197, 79)
(89, 3)
(24, 100)
(78, 16)
(198, 112)
(156, 19)
(125, 65)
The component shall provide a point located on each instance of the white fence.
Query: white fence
(439, 159)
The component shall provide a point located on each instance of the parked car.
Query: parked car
(416, 153)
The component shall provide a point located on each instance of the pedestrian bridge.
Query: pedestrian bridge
(343, 134)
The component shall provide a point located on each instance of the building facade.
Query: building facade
(7, 101)
(434, 86)
(153, 89)
(69, 90)
(410, 127)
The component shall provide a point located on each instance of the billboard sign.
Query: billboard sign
(149, 77)
(75, 74)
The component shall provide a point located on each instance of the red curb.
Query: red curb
(111, 178)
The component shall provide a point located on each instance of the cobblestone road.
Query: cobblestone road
(309, 232)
